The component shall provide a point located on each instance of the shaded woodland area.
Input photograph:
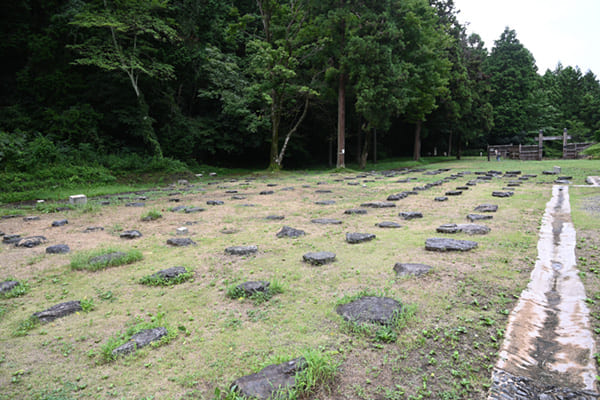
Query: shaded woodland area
(116, 84)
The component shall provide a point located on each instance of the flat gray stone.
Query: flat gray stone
(447, 228)
(325, 202)
(93, 229)
(287, 231)
(478, 217)
(357, 237)
(59, 310)
(502, 194)
(180, 242)
(396, 196)
(355, 211)
(266, 192)
(453, 192)
(252, 287)
(271, 382)
(388, 224)
(403, 269)
(443, 245)
(11, 239)
(58, 249)
(60, 222)
(7, 286)
(215, 202)
(378, 204)
(31, 218)
(441, 198)
(189, 210)
(132, 234)
(326, 221)
(486, 208)
(370, 309)
(319, 257)
(31, 241)
(170, 273)
(275, 217)
(241, 250)
(474, 229)
(135, 204)
(140, 339)
(408, 215)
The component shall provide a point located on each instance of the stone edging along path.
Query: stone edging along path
(548, 347)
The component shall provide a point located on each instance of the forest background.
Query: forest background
(89, 89)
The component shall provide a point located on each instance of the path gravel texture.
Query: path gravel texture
(548, 347)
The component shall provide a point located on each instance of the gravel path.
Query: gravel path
(548, 347)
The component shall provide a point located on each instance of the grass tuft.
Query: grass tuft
(156, 280)
(20, 290)
(88, 260)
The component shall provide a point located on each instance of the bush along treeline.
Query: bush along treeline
(115, 83)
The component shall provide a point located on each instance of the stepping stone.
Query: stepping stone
(273, 381)
(319, 257)
(326, 221)
(265, 192)
(271, 184)
(178, 208)
(140, 339)
(11, 239)
(478, 217)
(31, 218)
(180, 242)
(189, 210)
(59, 310)
(370, 309)
(355, 211)
(58, 249)
(274, 217)
(107, 258)
(487, 208)
(502, 194)
(241, 250)
(31, 241)
(462, 188)
(215, 202)
(7, 286)
(396, 197)
(323, 191)
(238, 197)
(93, 229)
(356, 237)
(132, 234)
(136, 204)
(441, 198)
(231, 191)
(408, 215)
(325, 202)
(378, 204)
(60, 222)
(453, 193)
(170, 273)
(388, 224)
(443, 244)
(474, 229)
(287, 231)
(403, 269)
(252, 287)
(447, 228)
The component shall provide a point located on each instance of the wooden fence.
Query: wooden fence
(536, 151)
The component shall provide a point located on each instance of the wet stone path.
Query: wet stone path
(548, 347)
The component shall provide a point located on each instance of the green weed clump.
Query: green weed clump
(137, 325)
(237, 293)
(151, 215)
(157, 280)
(103, 258)
(21, 289)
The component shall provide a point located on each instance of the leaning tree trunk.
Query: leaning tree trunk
(146, 129)
(417, 148)
(341, 128)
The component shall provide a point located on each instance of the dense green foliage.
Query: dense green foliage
(95, 88)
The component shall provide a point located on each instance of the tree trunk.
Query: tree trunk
(146, 129)
(458, 147)
(417, 148)
(279, 159)
(275, 120)
(341, 128)
(450, 145)
(365, 151)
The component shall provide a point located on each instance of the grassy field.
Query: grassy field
(443, 348)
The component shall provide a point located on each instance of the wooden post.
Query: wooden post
(564, 143)
(541, 145)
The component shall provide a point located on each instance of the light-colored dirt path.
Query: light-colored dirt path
(548, 347)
